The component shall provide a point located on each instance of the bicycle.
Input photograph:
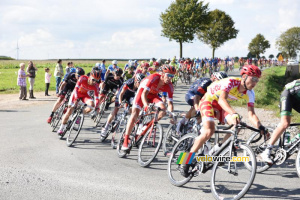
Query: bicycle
(117, 125)
(102, 106)
(283, 152)
(149, 137)
(75, 124)
(238, 179)
(59, 112)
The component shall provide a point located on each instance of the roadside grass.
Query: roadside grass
(268, 91)
(9, 71)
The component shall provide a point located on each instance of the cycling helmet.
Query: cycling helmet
(251, 70)
(220, 75)
(96, 74)
(132, 63)
(119, 72)
(114, 62)
(140, 77)
(156, 64)
(80, 71)
(97, 65)
(72, 70)
(169, 69)
(145, 64)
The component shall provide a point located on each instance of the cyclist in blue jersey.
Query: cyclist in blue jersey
(111, 68)
(195, 93)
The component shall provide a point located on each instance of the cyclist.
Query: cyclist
(155, 68)
(111, 68)
(67, 85)
(143, 69)
(85, 88)
(129, 73)
(289, 99)
(148, 93)
(126, 92)
(195, 93)
(112, 82)
(219, 93)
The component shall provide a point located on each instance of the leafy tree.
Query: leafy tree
(264, 57)
(271, 56)
(182, 19)
(218, 31)
(250, 55)
(258, 45)
(289, 42)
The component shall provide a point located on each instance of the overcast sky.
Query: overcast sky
(128, 28)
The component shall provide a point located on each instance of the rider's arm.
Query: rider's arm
(62, 86)
(170, 106)
(122, 93)
(106, 73)
(224, 103)
(253, 117)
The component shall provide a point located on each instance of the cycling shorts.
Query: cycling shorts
(211, 110)
(287, 103)
(83, 98)
(138, 103)
(127, 98)
(67, 88)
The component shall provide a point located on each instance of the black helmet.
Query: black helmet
(139, 77)
(80, 71)
(119, 72)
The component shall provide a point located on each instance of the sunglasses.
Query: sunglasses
(95, 80)
(170, 75)
(254, 79)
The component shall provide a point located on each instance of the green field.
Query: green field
(9, 70)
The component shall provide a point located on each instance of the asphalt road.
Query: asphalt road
(35, 164)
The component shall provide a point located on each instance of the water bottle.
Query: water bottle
(207, 147)
(296, 138)
(287, 138)
(214, 149)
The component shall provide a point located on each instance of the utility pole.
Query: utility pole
(17, 50)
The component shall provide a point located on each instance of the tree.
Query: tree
(218, 31)
(289, 42)
(182, 19)
(264, 57)
(250, 55)
(258, 45)
(271, 56)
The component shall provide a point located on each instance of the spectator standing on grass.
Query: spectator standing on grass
(103, 69)
(31, 70)
(47, 80)
(22, 82)
(58, 73)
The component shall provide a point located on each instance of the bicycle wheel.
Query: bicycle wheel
(232, 180)
(118, 132)
(174, 169)
(75, 130)
(298, 163)
(168, 141)
(258, 144)
(57, 117)
(100, 114)
(150, 145)
(121, 154)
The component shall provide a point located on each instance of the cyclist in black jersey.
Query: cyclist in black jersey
(126, 92)
(67, 85)
(289, 99)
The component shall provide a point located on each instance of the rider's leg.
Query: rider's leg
(206, 131)
(131, 121)
(285, 121)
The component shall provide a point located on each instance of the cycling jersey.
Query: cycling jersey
(230, 85)
(71, 81)
(150, 83)
(290, 98)
(111, 83)
(129, 91)
(127, 75)
(188, 64)
(199, 87)
(84, 91)
(112, 68)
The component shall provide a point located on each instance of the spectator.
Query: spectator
(31, 69)
(22, 82)
(58, 73)
(68, 67)
(47, 80)
(103, 69)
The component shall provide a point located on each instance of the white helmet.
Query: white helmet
(97, 65)
(114, 62)
(132, 63)
(220, 75)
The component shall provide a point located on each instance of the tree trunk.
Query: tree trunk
(213, 56)
(180, 43)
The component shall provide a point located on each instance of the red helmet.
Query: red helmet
(145, 65)
(96, 74)
(156, 64)
(251, 70)
(169, 69)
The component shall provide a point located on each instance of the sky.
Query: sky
(128, 29)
